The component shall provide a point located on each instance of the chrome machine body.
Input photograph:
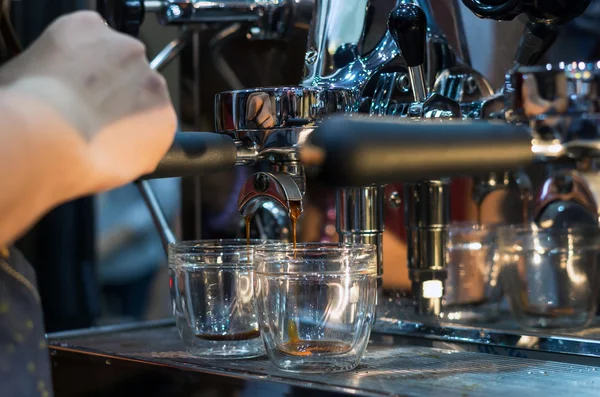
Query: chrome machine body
(410, 68)
(338, 67)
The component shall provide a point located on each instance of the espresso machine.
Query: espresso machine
(389, 94)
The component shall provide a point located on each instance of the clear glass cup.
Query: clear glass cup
(550, 276)
(211, 285)
(315, 304)
(472, 290)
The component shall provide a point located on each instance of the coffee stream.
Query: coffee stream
(295, 212)
(248, 219)
(296, 346)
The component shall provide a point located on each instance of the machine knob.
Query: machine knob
(125, 16)
(500, 10)
(407, 24)
(557, 11)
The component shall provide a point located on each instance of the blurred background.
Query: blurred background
(99, 259)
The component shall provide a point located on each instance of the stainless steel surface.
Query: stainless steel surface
(463, 85)
(270, 123)
(560, 103)
(335, 44)
(336, 37)
(568, 186)
(389, 368)
(335, 56)
(417, 82)
(502, 338)
(293, 168)
(269, 19)
(264, 186)
(384, 90)
(359, 218)
(427, 217)
(256, 114)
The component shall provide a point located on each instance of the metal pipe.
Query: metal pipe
(333, 53)
(158, 216)
(417, 82)
(221, 65)
(171, 51)
(427, 217)
(360, 218)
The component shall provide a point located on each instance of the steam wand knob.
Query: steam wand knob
(407, 24)
(125, 16)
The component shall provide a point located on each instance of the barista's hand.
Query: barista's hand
(102, 108)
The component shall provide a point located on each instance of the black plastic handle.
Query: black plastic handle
(536, 40)
(501, 10)
(544, 11)
(196, 153)
(360, 151)
(407, 24)
(125, 16)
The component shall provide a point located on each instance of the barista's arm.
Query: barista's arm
(39, 162)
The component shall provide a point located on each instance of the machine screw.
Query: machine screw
(311, 56)
(395, 200)
(403, 82)
(470, 85)
(174, 11)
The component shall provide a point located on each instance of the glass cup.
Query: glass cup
(550, 276)
(315, 304)
(212, 294)
(472, 291)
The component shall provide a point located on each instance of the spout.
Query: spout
(261, 187)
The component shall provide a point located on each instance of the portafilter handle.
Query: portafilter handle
(125, 16)
(196, 153)
(191, 154)
(358, 151)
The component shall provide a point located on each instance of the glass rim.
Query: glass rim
(315, 247)
(473, 226)
(215, 245)
(535, 229)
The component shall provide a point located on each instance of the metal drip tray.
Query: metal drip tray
(150, 359)
(502, 336)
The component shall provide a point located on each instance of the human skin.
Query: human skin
(82, 112)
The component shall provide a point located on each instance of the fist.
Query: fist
(116, 114)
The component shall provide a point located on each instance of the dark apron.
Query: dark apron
(24, 360)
